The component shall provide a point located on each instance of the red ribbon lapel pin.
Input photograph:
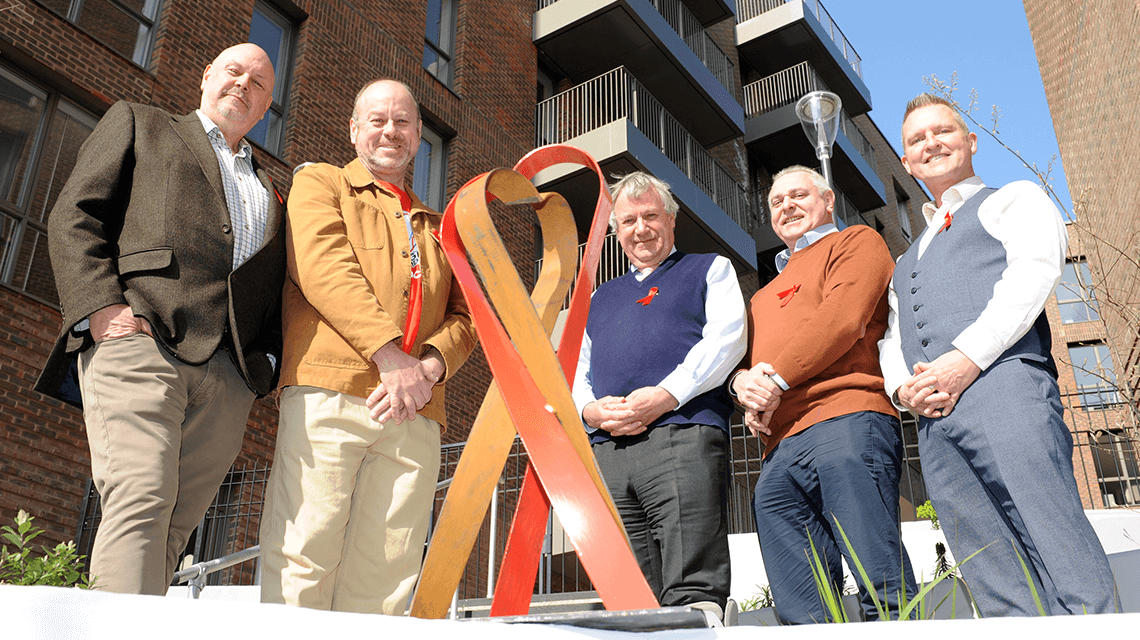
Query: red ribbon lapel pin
(649, 298)
(786, 295)
(946, 224)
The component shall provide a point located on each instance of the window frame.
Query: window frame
(141, 57)
(434, 195)
(1078, 289)
(1116, 467)
(1105, 392)
(444, 49)
(902, 209)
(274, 143)
(27, 220)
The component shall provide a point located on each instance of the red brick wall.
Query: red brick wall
(1089, 56)
(43, 452)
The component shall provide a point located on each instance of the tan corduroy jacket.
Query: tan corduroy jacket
(346, 294)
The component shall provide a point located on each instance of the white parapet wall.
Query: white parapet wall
(1117, 529)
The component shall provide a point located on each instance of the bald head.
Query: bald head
(237, 89)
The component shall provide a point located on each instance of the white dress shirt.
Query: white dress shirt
(722, 344)
(246, 198)
(1027, 223)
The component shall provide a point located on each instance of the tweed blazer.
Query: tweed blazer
(143, 221)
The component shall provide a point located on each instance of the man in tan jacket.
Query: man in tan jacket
(361, 405)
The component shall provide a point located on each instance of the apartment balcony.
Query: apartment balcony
(776, 34)
(776, 139)
(661, 42)
(710, 12)
(625, 128)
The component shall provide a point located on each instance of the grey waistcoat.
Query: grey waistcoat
(945, 292)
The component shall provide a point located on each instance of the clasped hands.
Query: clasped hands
(759, 394)
(935, 387)
(631, 414)
(405, 383)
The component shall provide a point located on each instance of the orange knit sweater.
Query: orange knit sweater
(818, 324)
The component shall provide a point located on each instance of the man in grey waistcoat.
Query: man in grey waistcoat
(968, 351)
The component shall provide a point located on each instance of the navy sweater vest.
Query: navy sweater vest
(635, 345)
(945, 292)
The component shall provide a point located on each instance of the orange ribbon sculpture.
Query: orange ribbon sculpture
(529, 395)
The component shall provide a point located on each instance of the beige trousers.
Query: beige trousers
(163, 434)
(348, 505)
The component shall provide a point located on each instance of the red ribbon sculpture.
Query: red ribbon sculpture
(529, 395)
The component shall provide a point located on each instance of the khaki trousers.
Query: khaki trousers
(348, 505)
(163, 434)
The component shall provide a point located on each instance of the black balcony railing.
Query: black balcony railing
(748, 9)
(695, 36)
(617, 95)
(786, 87)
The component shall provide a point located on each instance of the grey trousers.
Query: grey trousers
(162, 434)
(670, 486)
(999, 470)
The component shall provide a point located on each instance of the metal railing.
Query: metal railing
(748, 9)
(862, 145)
(1106, 455)
(1106, 458)
(613, 263)
(682, 20)
(699, 41)
(617, 95)
(786, 87)
(781, 89)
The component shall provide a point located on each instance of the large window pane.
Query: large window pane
(126, 26)
(68, 131)
(439, 39)
(1094, 375)
(21, 119)
(35, 162)
(429, 171)
(1117, 468)
(1076, 297)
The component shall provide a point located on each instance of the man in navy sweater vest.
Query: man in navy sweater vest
(968, 351)
(659, 344)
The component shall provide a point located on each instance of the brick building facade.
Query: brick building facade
(1090, 81)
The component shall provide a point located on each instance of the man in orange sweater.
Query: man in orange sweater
(814, 395)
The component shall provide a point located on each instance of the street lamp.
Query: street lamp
(819, 114)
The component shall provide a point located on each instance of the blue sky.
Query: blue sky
(987, 43)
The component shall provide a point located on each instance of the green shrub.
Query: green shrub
(763, 598)
(58, 567)
(926, 510)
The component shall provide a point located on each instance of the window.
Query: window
(126, 26)
(1094, 376)
(40, 136)
(1075, 296)
(276, 33)
(430, 169)
(439, 39)
(1116, 468)
(902, 204)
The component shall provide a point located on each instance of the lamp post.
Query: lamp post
(819, 114)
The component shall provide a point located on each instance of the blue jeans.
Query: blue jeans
(845, 469)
